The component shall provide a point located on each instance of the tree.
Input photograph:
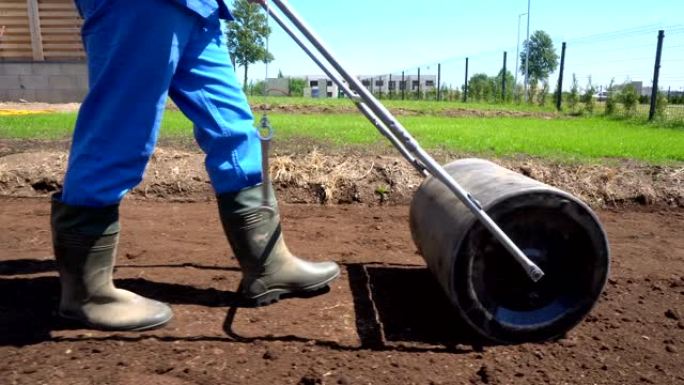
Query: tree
(297, 86)
(510, 85)
(480, 87)
(247, 35)
(573, 97)
(543, 57)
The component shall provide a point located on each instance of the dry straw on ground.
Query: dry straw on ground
(316, 177)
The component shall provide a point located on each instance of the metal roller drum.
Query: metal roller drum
(490, 291)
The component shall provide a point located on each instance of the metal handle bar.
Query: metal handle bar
(390, 127)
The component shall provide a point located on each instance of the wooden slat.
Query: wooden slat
(55, 28)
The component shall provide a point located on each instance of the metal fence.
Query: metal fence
(610, 73)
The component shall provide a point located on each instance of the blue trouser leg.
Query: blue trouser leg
(133, 49)
(136, 51)
(206, 89)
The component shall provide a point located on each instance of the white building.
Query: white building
(320, 86)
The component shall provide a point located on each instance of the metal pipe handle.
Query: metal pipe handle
(407, 144)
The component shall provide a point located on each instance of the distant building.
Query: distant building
(320, 86)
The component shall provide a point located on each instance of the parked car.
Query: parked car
(601, 96)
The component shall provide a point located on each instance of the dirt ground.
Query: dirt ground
(385, 321)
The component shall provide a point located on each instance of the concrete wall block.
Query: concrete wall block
(82, 82)
(15, 68)
(45, 69)
(10, 82)
(34, 82)
(73, 68)
(21, 95)
(63, 82)
(60, 96)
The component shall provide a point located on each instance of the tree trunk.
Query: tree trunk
(244, 86)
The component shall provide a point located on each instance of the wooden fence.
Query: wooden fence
(40, 30)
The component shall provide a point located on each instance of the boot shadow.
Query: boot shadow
(28, 304)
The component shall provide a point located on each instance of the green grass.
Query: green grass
(569, 139)
(424, 106)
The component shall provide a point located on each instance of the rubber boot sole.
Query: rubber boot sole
(90, 325)
(274, 295)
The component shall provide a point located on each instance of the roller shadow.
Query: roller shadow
(405, 305)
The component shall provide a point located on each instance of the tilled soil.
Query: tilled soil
(385, 321)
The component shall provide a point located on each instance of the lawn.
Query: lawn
(571, 139)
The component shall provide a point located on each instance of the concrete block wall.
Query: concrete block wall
(43, 82)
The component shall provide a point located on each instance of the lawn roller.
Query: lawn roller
(518, 259)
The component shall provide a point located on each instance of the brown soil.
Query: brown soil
(385, 320)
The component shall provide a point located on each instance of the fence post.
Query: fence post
(465, 87)
(403, 86)
(656, 74)
(503, 80)
(389, 86)
(420, 97)
(439, 82)
(559, 95)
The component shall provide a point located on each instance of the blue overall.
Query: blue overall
(139, 52)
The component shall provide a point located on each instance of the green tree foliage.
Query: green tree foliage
(543, 57)
(588, 97)
(610, 100)
(247, 36)
(573, 97)
(297, 86)
(510, 86)
(480, 87)
(629, 97)
(661, 105)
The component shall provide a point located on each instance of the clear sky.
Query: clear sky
(606, 38)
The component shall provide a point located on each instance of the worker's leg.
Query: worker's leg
(133, 48)
(206, 89)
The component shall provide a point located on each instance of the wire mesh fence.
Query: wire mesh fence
(611, 73)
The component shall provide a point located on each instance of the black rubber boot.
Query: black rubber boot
(269, 269)
(85, 241)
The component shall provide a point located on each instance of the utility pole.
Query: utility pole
(517, 49)
(527, 54)
(656, 75)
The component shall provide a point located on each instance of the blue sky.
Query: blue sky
(606, 39)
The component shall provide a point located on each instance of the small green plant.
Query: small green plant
(382, 189)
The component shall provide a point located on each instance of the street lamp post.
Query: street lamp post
(517, 50)
(527, 54)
